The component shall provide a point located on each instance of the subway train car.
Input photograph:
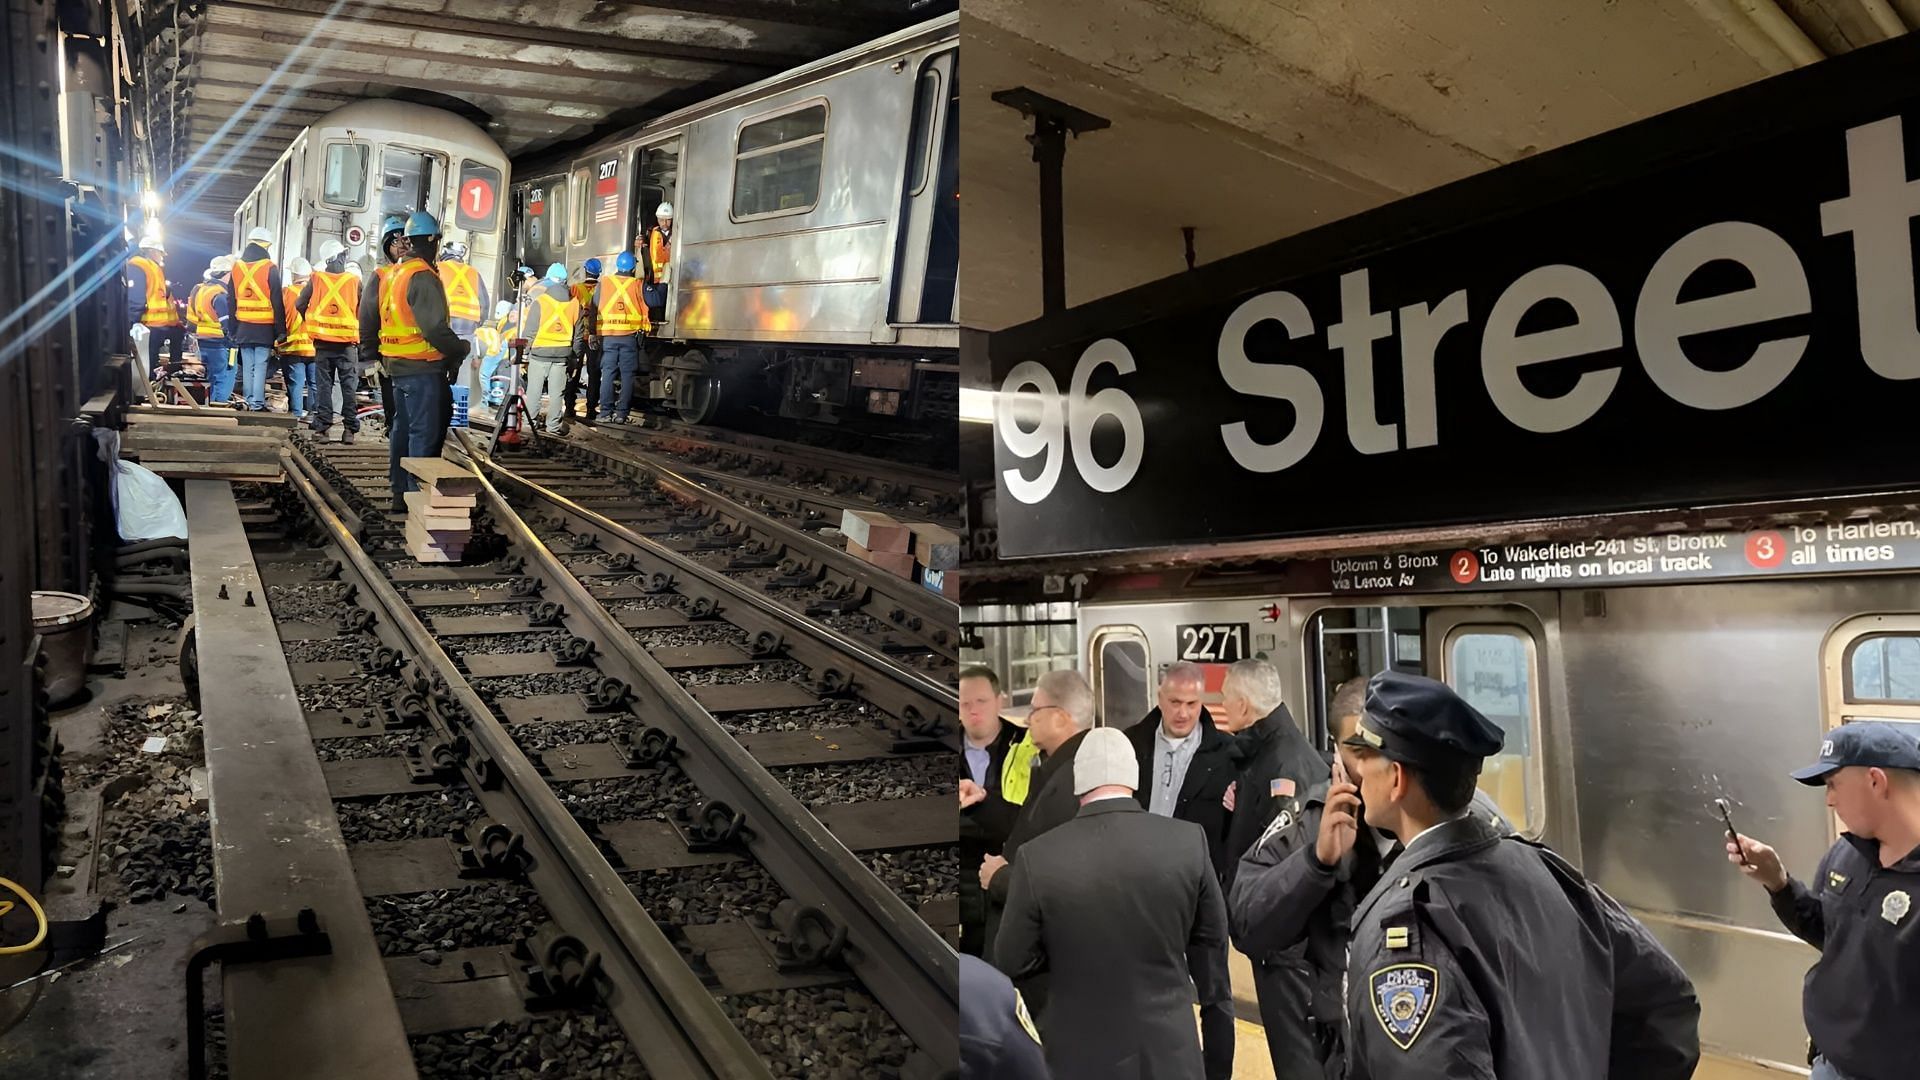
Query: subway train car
(345, 173)
(1628, 708)
(815, 243)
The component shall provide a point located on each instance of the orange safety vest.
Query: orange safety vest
(400, 337)
(252, 299)
(659, 253)
(556, 323)
(625, 311)
(463, 290)
(158, 310)
(299, 340)
(333, 308)
(206, 321)
(583, 295)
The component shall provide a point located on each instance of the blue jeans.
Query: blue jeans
(299, 376)
(416, 424)
(253, 375)
(218, 360)
(618, 356)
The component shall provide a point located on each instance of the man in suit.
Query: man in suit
(1061, 714)
(1111, 904)
(1185, 767)
(995, 769)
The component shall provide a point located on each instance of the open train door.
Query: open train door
(927, 249)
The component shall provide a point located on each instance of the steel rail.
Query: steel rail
(921, 482)
(902, 961)
(674, 1024)
(895, 601)
(912, 695)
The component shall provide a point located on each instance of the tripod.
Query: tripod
(512, 427)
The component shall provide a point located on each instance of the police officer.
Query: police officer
(1480, 954)
(1863, 993)
(1304, 877)
(997, 1036)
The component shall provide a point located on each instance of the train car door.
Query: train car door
(927, 248)
(410, 180)
(656, 180)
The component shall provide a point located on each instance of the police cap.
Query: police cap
(1418, 721)
(1863, 742)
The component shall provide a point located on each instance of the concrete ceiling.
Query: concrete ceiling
(1251, 120)
(534, 73)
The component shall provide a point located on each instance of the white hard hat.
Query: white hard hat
(353, 268)
(300, 266)
(152, 242)
(260, 235)
(665, 211)
(331, 249)
(221, 264)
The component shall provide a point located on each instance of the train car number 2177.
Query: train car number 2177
(1213, 643)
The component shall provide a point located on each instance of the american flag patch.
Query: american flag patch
(1281, 788)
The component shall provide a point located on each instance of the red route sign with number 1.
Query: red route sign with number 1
(476, 198)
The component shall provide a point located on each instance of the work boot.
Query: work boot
(399, 504)
(346, 437)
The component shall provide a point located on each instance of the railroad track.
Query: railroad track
(673, 436)
(719, 832)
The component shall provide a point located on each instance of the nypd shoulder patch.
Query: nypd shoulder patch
(1026, 1019)
(1403, 998)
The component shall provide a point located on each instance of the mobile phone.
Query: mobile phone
(1726, 815)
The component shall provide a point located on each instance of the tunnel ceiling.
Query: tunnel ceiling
(229, 83)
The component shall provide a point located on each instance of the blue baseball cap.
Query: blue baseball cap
(1864, 742)
(1420, 721)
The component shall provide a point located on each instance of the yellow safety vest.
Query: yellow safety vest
(206, 322)
(157, 310)
(252, 299)
(299, 341)
(557, 321)
(1016, 771)
(333, 308)
(400, 337)
(625, 311)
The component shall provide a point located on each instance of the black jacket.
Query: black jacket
(1482, 955)
(1050, 803)
(1861, 997)
(984, 826)
(243, 333)
(428, 299)
(1273, 749)
(1107, 907)
(1213, 767)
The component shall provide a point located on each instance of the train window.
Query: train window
(1884, 667)
(345, 182)
(477, 196)
(925, 97)
(776, 167)
(1494, 668)
(1122, 681)
(406, 177)
(581, 186)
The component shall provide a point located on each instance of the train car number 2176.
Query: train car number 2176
(1213, 643)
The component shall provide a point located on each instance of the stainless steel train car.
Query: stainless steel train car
(1628, 710)
(816, 236)
(346, 172)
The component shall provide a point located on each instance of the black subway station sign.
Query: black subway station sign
(1714, 305)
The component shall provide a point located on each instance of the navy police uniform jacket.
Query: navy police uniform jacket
(1284, 895)
(1863, 994)
(997, 1038)
(1481, 956)
(1277, 764)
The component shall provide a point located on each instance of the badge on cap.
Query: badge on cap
(1895, 906)
(1403, 999)
(1281, 788)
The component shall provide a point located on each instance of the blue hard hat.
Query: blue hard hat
(526, 271)
(592, 267)
(393, 224)
(624, 263)
(421, 223)
(556, 272)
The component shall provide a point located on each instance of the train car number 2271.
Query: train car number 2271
(1213, 643)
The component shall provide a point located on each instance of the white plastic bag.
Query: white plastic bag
(145, 508)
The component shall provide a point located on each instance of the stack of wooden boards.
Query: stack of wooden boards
(440, 511)
(915, 550)
(207, 443)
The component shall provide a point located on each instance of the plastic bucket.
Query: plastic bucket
(64, 622)
(459, 407)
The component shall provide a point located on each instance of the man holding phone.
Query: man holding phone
(1303, 878)
(1863, 993)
